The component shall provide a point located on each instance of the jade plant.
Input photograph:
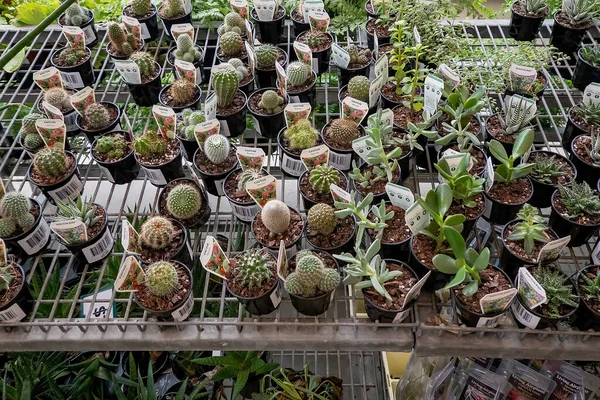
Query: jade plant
(72, 56)
(15, 213)
(50, 162)
(322, 177)
(112, 147)
(184, 201)
(271, 102)
(358, 88)
(465, 187)
(275, 216)
(77, 15)
(253, 268)
(579, 199)
(360, 210)
(233, 22)
(231, 44)
(123, 42)
(172, 9)
(546, 168)
(150, 144)
(298, 73)
(580, 12)
(344, 131)
(145, 63)
(461, 106)
(30, 137)
(558, 288)
(412, 83)
(182, 91)
(301, 135)
(157, 233)
(162, 279)
(591, 55)
(186, 50)
(216, 148)
(266, 56)
(96, 116)
(240, 68)
(311, 276)
(7, 275)
(190, 118)
(322, 219)
(225, 81)
(529, 229)
(59, 98)
(141, 8)
(507, 172)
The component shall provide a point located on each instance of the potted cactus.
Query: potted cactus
(587, 69)
(320, 45)
(292, 141)
(266, 57)
(54, 171)
(571, 23)
(338, 135)
(187, 50)
(114, 154)
(122, 44)
(162, 239)
(252, 279)
(97, 242)
(312, 283)
(75, 65)
(173, 12)
(145, 12)
(360, 61)
(159, 156)
(245, 75)
(22, 225)
(275, 222)
(167, 294)
(231, 45)
(526, 19)
(98, 119)
(327, 232)
(179, 95)
(185, 201)
(29, 137)
(231, 101)
(233, 22)
(358, 88)
(145, 93)
(585, 156)
(582, 118)
(266, 107)
(82, 17)
(270, 30)
(549, 171)
(301, 83)
(314, 185)
(214, 162)
(185, 131)
(16, 299)
(61, 99)
(244, 208)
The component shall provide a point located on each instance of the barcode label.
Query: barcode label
(401, 316)
(219, 185)
(13, 313)
(72, 80)
(71, 121)
(276, 295)
(36, 240)
(491, 322)
(245, 213)
(224, 128)
(294, 99)
(256, 125)
(524, 316)
(89, 34)
(155, 176)
(488, 208)
(315, 65)
(71, 190)
(144, 30)
(185, 310)
(100, 249)
(340, 161)
(107, 174)
(292, 166)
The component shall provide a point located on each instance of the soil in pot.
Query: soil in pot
(342, 234)
(190, 222)
(492, 281)
(402, 117)
(47, 180)
(398, 288)
(516, 192)
(423, 248)
(324, 46)
(378, 187)
(587, 169)
(388, 92)
(113, 114)
(180, 293)
(222, 57)
(544, 185)
(298, 21)
(395, 242)
(296, 90)
(311, 194)
(474, 126)
(58, 62)
(494, 128)
(382, 30)
(172, 150)
(118, 170)
(242, 291)
(115, 53)
(290, 236)
(471, 213)
(167, 98)
(176, 244)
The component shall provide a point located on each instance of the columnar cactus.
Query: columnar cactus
(314, 39)
(302, 135)
(216, 148)
(344, 130)
(59, 98)
(271, 102)
(28, 124)
(141, 8)
(322, 219)
(240, 69)
(225, 82)
(76, 15)
(184, 201)
(145, 63)
(311, 276)
(172, 9)
(322, 177)
(122, 41)
(253, 268)
(112, 147)
(33, 141)
(186, 50)
(246, 176)
(162, 279)
(8, 227)
(298, 73)
(234, 22)
(96, 115)
(182, 91)
(50, 162)
(231, 43)
(276, 216)
(157, 233)
(358, 88)
(266, 56)
(6, 277)
(359, 55)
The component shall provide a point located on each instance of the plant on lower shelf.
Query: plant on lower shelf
(301, 135)
(580, 12)
(276, 217)
(321, 218)
(322, 177)
(311, 276)
(271, 102)
(145, 63)
(15, 212)
(266, 56)
(123, 42)
(298, 73)
(579, 200)
(157, 233)
(233, 22)
(298, 385)
(30, 137)
(465, 187)
(96, 116)
(59, 98)
(186, 50)
(113, 147)
(162, 279)
(591, 55)
(507, 172)
(184, 201)
(225, 81)
(530, 229)
(361, 211)
(217, 148)
(358, 88)
(50, 162)
(231, 44)
(172, 9)
(546, 168)
(77, 15)
(190, 118)
(559, 290)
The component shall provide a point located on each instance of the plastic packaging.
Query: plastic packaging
(439, 382)
(525, 382)
(418, 375)
(474, 382)
(568, 378)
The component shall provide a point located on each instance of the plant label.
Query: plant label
(250, 157)
(362, 148)
(210, 107)
(282, 79)
(595, 256)
(414, 291)
(187, 6)
(416, 218)
(387, 117)
(186, 70)
(376, 84)
(2, 190)
(309, 6)
(521, 77)
(314, 156)
(489, 174)
(530, 290)
(71, 232)
(75, 36)
(3, 254)
(295, 112)
(129, 237)
(262, 190)
(182, 29)
(101, 306)
(52, 131)
(453, 158)
(213, 259)
(354, 110)
(249, 32)
(497, 302)
(591, 94)
(304, 53)
(416, 35)
(339, 194)
(341, 58)
(282, 262)
(400, 196)
(433, 94)
(48, 78)
(551, 250)
(318, 20)
(53, 112)
(265, 9)
(376, 44)
(130, 277)
(205, 129)
(449, 76)
(132, 25)
(240, 7)
(166, 120)
(382, 67)
(129, 70)
(82, 99)
(477, 389)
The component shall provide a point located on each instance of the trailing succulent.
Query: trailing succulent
(162, 279)
(233, 22)
(157, 233)
(253, 268)
(184, 201)
(145, 63)
(80, 210)
(298, 73)
(276, 216)
(113, 147)
(301, 135)
(579, 199)
(123, 42)
(322, 219)
(216, 148)
(190, 118)
(225, 81)
(186, 50)
(322, 177)
(266, 56)
(358, 88)
(15, 212)
(271, 102)
(559, 290)
(311, 276)
(96, 116)
(531, 228)
(59, 98)
(77, 15)
(50, 162)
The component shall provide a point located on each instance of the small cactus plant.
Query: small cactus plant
(266, 56)
(216, 148)
(301, 135)
(96, 116)
(182, 91)
(157, 233)
(113, 147)
(72, 56)
(149, 144)
(231, 44)
(15, 211)
(7, 275)
(276, 216)
(322, 219)
(253, 268)
(123, 42)
(358, 88)
(186, 50)
(162, 279)
(76, 15)
(322, 177)
(344, 131)
(240, 69)
(358, 55)
(233, 22)
(141, 8)
(311, 276)
(298, 73)
(172, 9)
(225, 82)
(8, 227)
(184, 201)
(50, 162)
(59, 98)
(271, 102)
(246, 176)
(191, 118)
(28, 124)
(33, 141)
(145, 63)
(314, 39)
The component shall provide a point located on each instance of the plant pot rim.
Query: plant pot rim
(556, 192)
(233, 167)
(545, 13)
(591, 23)
(69, 67)
(155, 11)
(280, 7)
(574, 153)
(295, 242)
(582, 299)
(295, 20)
(251, 202)
(317, 51)
(274, 287)
(478, 313)
(409, 269)
(572, 109)
(553, 154)
(183, 244)
(37, 220)
(178, 305)
(361, 130)
(285, 102)
(308, 89)
(497, 114)
(79, 119)
(245, 102)
(373, 34)
(110, 53)
(158, 166)
(158, 76)
(174, 183)
(61, 16)
(285, 62)
(21, 287)
(113, 133)
(580, 58)
(363, 164)
(172, 19)
(84, 244)
(505, 247)
(45, 185)
(164, 90)
(356, 69)
(513, 204)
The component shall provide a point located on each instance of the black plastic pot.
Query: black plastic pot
(234, 124)
(572, 130)
(322, 57)
(524, 28)
(345, 74)
(119, 172)
(266, 78)
(114, 126)
(245, 212)
(542, 192)
(587, 317)
(291, 165)
(585, 172)
(306, 202)
(146, 94)
(580, 234)
(399, 250)
(386, 102)
(566, 39)
(269, 31)
(148, 25)
(89, 30)
(205, 209)
(299, 26)
(179, 110)
(498, 213)
(268, 126)
(76, 77)
(198, 64)
(436, 280)
(261, 305)
(338, 158)
(168, 23)
(248, 87)
(32, 242)
(183, 253)
(343, 248)
(160, 175)
(296, 243)
(308, 95)
(584, 73)
(21, 303)
(213, 182)
(188, 147)
(380, 40)
(71, 185)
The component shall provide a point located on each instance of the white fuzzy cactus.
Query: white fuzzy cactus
(276, 216)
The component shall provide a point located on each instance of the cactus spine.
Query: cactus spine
(358, 88)
(231, 44)
(345, 131)
(266, 56)
(50, 162)
(240, 69)
(145, 63)
(184, 201)
(8, 227)
(225, 82)
(182, 91)
(314, 39)
(298, 73)
(172, 9)
(322, 177)
(216, 148)
(162, 279)
(188, 123)
(28, 124)
(122, 41)
(321, 218)
(33, 141)
(141, 8)
(59, 98)
(276, 216)
(302, 135)
(271, 102)
(76, 15)
(186, 50)
(157, 233)
(311, 276)
(14, 208)
(112, 147)
(358, 55)
(253, 268)
(96, 115)
(233, 22)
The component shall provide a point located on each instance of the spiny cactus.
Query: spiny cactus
(184, 201)
(233, 22)
(14, 204)
(266, 56)
(253, 268)
(225, 82)
(96, 116)
(157, 233)
(162, 279)
(358, 55)
(141, 8)
(302, 135)
(76, 15)
(81, 210)
(182, 91)
(314, 39)
(240, 69)
(28, 124)
(358, 88)
(276, 216)
(345, 131)
(271, 102)
(59, 98)
(149, 144)
(72, 56)
(8, 227)
(298, 73)
(322, 177)
(145, 63)
(26, 220)
(231, 43)
(216, 148)
(123, 42)
(246, 176)
(321, 218)
(188, 123)
(311, 276)
(33, 141)
(50, 162)
(6, 277)
(186, 50)
(172, 9)
(112, 147)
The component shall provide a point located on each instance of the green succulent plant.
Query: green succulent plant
(462, 106)
(589, 112)
(559, 290)
(590, 287)
(253, 268)
(7, 275)
(72, 56)
(518, 117)
(321, 218)
(123, 42)
(580, 12)
(534, 7)
(162, 278)
(530, 229)
(591, 54)
(149, 144)
(465, 187)
(81, 210)
(579, 199)
(546, 168)
(301, 135)
(506, 172)
(593, 151)
(360, 210)
(76, 15)
(311, 276)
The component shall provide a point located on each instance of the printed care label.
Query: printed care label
(296, 112)
(362, 148)
(314, 156)
(262, 190)
(339, 194)
(382, 67)
(182, 29)
(131, 276)
(531, 292)
(400, 196)
(374, 88)
(83, 99)
(282, 79)
(210, 107)
(132, 25)
(475, 389)
(354, 110)
(213, 258)
(74, 35)
(129, 237)
(309, 6)
(521, 77)
(250, 157)
(449, 76)
(433, 94)
(416, 218)
(71, 232)
(551, 250)
(240, 7)
(591, 94)
(155, 176)
(265, 9)
(304, 53)
(166, 120)
(251, 57)
(318, 21)
(36, 239)
(414, 292)
(489, 174)
(129, 70)
(52, 131)
(341, 58)
(282, 262)
(48, 78)
(205, 129)
(497, 302)
(101, 306)
(186, 70)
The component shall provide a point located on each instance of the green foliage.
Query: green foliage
(253, 268)
(157, 233)
(506, 172)
(80, 210)
(311, 276)
(591, 54)
(112, 146)
(292, 385)
(589, 112)
(411, 83)
(240, 68)
(162, 279)
(546, 168)
(461, 106)
(580, 12)
(533, 7)
(359, 55)
(465, 187)
(149, 144)
(184, 201)
(50, 162)
(121, 40)
(579, 199)
(530, 229)
(361, 211)
(590, 288)
(72, 56)
(301, 135)
(559, 290)
(321, 217)
(76, 15)
(205, 12)
(345, 15)
(416, 130)
(322, 177)
(8, 226)
(271, 102)
(266, 56)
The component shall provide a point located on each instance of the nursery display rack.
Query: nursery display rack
(218, 322)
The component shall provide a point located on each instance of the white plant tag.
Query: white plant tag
(521, 76)
(129, 70)
(101, 305)
(339, 194)
(213, 258)
(382, 67)
(551, 250)
(591, 94)
(53, 112)
(309, 6)
(497, 302)
(416, 35)
(186, 70)
(449, 75)
(376, 84)
(262, 190)
(282, 79)
(130, 277)
(361, 148)
(250, 157)
(341, 58)
(400, 196)
(401, 316)
(71, 231)
(129, 237)
(181, 29)
(387, 117)
(210, 107)
(13, 313)
(265, 9)
(416, 218)
(282, 262)
(530, 290)
(277, 295)
(155, 176)
(489, 173)
(518, 102)
(48, 78)
(525, 317)
(304, 54)
(433, 94)
(414, 291)
(354, 110)
(99, 250)
(37, 239)
(251, 57)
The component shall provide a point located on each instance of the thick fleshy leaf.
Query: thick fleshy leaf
(498, 151)
(459, 278)
(456, 242)
(471, 256)
(483, 260)
(446, 264)
(470, 288)
(455, 219)
(444, 198)
(523, 143)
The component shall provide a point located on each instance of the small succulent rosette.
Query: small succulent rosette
(206, 129)
(262, 190)
(250, 158)
(295, 112)
(131, 276)
(166, 120)
(213, 258)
